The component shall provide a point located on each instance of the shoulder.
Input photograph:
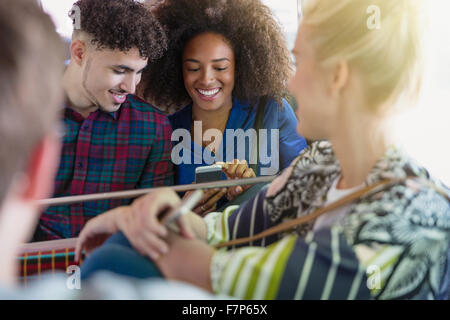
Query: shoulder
(406, 234)
(416, 201)
(304, 182)
(137, 104)
(408, 225)
(282, 107)
(315, 167)
(415, 204)
(276, 114)
(317, 153)
(143, 110)
(281, 111)
(271, 104)
(181, 118)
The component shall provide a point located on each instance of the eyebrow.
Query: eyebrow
(294, 52)
(126, 68)
(214, 60)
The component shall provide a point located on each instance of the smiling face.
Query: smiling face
(311, 88)
(109, 75)
(208, 71)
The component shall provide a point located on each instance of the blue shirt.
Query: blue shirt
(280, 148)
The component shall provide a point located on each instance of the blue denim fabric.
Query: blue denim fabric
(118, 256)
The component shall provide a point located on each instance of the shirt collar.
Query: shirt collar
(77, 116)
(238, 115)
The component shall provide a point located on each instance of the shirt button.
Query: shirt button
(80, 165)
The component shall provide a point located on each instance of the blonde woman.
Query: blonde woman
(390, 244)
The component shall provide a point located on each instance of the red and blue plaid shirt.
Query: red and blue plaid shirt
(122, 150)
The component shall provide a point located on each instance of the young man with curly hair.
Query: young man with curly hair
(225, 61)
(113, 140)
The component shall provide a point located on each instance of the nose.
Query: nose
(207, 77)
(129, 83)
(290, 84)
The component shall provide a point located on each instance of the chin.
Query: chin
(300, 130)
(305, 134)
(110, 108)
(208, 107)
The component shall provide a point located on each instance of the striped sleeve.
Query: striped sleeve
(379, 262)
(320, 266)
(217, 225)
(241, 221)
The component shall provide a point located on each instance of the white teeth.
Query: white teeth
(119, 96)
(208, 93)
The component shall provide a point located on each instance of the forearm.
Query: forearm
(188, 261)
(120, 216)
(120, 219)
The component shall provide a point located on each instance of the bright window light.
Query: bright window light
(424, 131)
(58, 10)
(286, 13)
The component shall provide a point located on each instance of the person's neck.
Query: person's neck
(73, 89)
(358, 146)
(211, 119)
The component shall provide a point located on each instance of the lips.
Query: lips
(118, 97)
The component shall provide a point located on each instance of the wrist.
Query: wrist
(119, 219)
(188, 261)
(198, 226)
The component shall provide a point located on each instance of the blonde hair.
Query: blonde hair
(387, 55)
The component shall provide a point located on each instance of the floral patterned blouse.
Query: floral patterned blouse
(392, 244)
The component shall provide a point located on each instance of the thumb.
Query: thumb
(78, 249)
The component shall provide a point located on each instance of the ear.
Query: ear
(78, 51)
(41, 168)
(340, 78)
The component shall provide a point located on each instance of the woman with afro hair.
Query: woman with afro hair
(226, 60)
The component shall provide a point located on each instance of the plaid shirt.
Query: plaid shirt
(122, 150)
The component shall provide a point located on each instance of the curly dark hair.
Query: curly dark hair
(263, 62)
(121, 24)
